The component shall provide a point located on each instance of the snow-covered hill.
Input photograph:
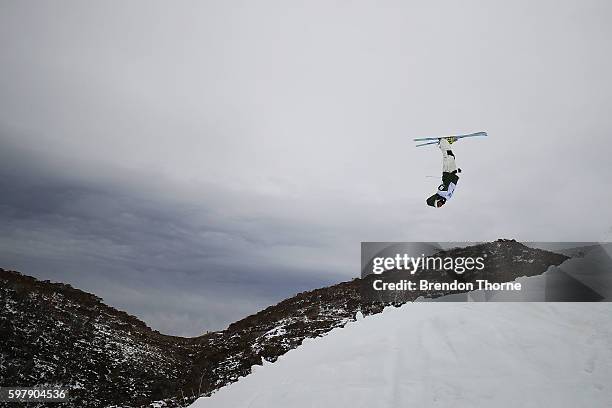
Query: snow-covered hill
(443, 355)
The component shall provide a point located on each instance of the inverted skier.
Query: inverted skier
(449, 174)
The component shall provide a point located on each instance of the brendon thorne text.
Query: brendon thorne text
(424, 284)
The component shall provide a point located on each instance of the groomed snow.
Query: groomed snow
(444, 355)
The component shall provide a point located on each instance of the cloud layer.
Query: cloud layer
(194, 162)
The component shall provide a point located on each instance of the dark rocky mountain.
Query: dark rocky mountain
(54, 334)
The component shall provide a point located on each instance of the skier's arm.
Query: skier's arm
(444, 145)
(448, 157)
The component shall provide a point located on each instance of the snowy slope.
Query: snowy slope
(444, 355)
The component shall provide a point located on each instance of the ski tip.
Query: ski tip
(474, 134)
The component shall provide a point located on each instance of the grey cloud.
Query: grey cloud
(156, 258)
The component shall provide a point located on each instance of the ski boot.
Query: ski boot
(451, 139)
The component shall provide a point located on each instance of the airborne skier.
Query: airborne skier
(449, 174)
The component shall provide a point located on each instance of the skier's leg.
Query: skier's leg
(448, 158)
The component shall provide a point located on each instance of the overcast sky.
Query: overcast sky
(193, 162)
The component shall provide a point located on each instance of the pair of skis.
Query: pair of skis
(434, 140)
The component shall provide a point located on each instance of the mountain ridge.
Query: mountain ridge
(58, 334)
